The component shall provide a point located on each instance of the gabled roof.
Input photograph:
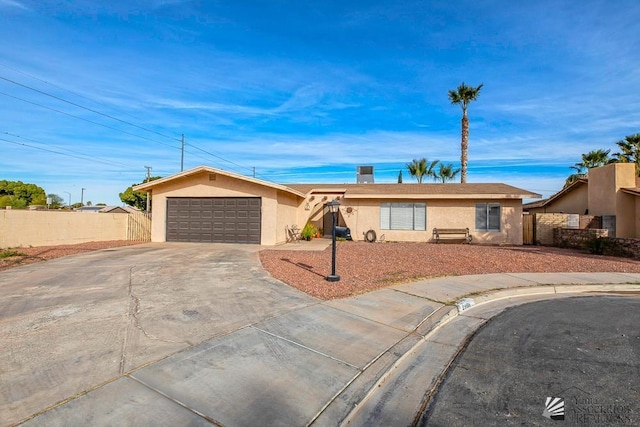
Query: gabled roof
(148, 186)
(543, 203)
(423, 191)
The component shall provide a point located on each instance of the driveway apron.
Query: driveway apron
(73, 324)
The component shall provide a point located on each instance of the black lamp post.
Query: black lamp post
(333, 208)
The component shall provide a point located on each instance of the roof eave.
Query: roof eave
(148, 186)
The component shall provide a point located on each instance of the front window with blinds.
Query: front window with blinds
(403, 216)
(488, 216)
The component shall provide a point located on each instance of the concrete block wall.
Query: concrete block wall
(46, 228)
(585, 239)
(576, 238)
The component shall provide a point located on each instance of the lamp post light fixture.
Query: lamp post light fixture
(333, 206)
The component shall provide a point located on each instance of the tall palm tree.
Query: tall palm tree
(419, 168)
(446, 173)
(463, 96)
(592, 159)
(629, 151)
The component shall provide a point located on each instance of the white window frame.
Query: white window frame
(489, 222)
(403, 216)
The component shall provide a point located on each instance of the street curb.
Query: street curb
(513, 296)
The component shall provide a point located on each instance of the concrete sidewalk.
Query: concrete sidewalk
(369, 359)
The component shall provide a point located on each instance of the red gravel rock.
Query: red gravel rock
(365, 266)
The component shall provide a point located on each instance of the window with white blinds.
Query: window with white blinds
(403, 216)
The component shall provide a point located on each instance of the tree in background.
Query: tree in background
(592, 159)
(56, 201)
(463, 96)
(446, 173)
(629, 151)
(136, 199)
(400, 177)
(19, 195)
(419, 168)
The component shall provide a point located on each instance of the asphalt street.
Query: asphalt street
(584, 350)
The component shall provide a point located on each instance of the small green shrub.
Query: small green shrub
(8, 253)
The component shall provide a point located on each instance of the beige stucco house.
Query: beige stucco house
(212, 205)
(612, 190)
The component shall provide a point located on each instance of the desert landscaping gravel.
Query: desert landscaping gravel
(365, 266)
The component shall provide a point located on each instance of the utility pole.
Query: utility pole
(182, 157)
(82, 198)
(147, 180)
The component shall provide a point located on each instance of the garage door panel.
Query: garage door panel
(216, 219)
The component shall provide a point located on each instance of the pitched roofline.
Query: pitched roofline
(634, 191)
(569, 188)
(148, 186)
(355, 191)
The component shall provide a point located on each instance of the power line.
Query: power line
(93, 159)
(86, 156)
(79, 95)
(87, 120)
(181, 140)
(87, 108)
(218, 157)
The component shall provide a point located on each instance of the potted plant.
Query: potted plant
(308, 232)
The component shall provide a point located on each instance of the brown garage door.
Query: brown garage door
(214, 219)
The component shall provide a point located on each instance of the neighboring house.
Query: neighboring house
(212, 205)
(571, 199)
(612, 190)
(119, 209)
(108, 209)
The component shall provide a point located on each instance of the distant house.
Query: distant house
(108, 209)
(612, 190)
(212, 205)
(119, 209)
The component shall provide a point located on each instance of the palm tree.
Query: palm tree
(629, 151)
(593, 159)
(421, 168)
(463, 96)
(446, 173)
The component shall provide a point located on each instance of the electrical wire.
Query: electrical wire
(104, 115)
(86, 156)
(87, 108)
(87, 120)
(81, 157)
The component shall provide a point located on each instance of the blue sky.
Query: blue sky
(307, 91)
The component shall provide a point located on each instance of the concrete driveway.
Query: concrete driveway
(72, 324)
(196, 334)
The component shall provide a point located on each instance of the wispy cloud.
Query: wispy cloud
(13, 4)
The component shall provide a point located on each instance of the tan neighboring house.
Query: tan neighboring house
(612, 190)
(205, 204)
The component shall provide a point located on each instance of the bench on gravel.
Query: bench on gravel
(451, 234)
